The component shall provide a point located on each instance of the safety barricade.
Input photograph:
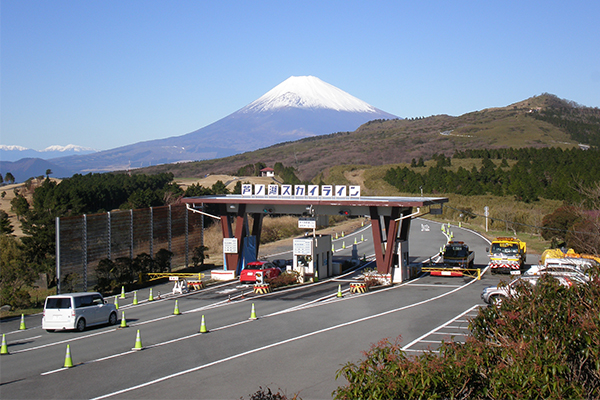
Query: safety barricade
(262, 288)
(196, 285)
(455, 272)
(358, 287)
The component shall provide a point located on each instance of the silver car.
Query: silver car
(496, 294)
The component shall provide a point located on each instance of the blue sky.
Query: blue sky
(103, 74)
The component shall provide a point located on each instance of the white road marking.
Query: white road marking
(420, 338)
(317, 332)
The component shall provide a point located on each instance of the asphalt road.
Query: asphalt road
(301, 338)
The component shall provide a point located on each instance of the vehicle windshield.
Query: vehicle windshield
(254, 266)
(58, 302)
(456, 251)
(504, 248)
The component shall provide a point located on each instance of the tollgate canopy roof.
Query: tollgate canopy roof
(317, 205)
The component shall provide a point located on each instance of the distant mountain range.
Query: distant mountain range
(15, 153)
(25, 163)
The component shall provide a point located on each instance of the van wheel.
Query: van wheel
(112, 320)
(80, 325)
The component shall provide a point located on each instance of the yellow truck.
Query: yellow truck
(508, 255)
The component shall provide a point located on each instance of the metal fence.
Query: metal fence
(82, 241)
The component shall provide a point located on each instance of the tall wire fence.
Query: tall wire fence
(82, 241)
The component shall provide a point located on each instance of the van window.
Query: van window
(58, 302)
(85, 301)
(97, 299)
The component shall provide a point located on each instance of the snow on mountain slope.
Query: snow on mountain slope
(307, 92)
(14, 153)
(12, 148)
(69, 147)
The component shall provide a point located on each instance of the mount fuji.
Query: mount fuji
(299, 107)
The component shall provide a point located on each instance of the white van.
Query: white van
(76, 311)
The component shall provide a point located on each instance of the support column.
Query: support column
(383, 258)
(233, 259)
(257, 228)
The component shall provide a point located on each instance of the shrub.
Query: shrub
(285, 279)
(543, 343)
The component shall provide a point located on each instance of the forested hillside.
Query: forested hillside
(539, 122)
(549, 173)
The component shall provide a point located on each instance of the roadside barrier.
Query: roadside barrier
(68, 360)
(262, 288)
(453, 272)
(4, 348)
(203, 326)
(196, 285)
(176, 310)
(253, 313)
(358, 287)
(22, 325)
(138, 342)
(122, 292)
(123, 320)
(339, 292)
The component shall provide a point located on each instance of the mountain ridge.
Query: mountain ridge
(382, 142)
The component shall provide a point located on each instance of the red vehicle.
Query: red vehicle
(268, 269)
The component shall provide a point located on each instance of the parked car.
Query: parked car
(560, 269)
(268, 269)
(77, 311)
(282, 264)
(496, 294)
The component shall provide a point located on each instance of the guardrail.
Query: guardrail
(449, 271)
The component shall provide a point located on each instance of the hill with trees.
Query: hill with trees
(539, 122)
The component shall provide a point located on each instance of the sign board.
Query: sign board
(486, 211)
(307, 223)
(303, 247)
(173, 278)
(230, 245)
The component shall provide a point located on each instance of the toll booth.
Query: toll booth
(400, 264)
(312, 257)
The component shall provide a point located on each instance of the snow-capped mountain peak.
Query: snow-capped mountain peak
(69, 147)
(11, 147)
(307, 92)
